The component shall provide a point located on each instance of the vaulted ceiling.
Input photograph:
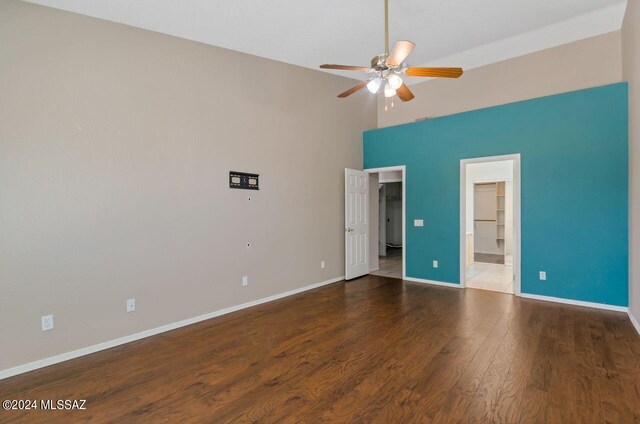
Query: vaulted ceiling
(467, 33)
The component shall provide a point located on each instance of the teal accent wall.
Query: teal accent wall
(574, 170)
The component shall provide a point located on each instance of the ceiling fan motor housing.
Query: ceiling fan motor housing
(378, 62)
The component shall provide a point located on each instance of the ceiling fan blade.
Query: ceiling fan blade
(404, 93)
(434, 72)
(399, 53)
(345, 67)
(354, 89)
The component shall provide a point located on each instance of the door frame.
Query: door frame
(403, 170)
(517, 224)
(382, 216)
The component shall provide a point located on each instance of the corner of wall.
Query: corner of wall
(631, 73)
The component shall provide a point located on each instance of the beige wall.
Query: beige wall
(587, 63)
(115, 148)
(631, 73)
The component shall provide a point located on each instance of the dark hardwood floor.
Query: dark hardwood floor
(373, 350)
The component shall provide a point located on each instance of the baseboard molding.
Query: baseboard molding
(30, 366)
(575, 302)
(634, 321)
(432, 282)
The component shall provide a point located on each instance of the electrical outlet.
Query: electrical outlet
(435, 264)
(245, 281)
(131, 305)
(47, 322)
(322, 264)
(543, 275)
(418, 223)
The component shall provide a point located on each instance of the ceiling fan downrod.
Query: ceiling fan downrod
(386, 28)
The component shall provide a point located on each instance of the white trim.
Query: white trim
(575, 302)
(591, 24)
(30, 366)
(433, 282)
(403, 169)
(393, 180)
(634, 321)
(385, 169)
(517, 224)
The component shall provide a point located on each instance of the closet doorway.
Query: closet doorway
(490, 195)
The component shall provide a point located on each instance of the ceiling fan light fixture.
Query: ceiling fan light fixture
(395, 81)
(389, 91)
(388, 68)
(374, 85)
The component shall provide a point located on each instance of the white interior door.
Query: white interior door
(356, 219)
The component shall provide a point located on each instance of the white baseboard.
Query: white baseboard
(432, 282)
(634, 321)
(575, 302)
(30, 366)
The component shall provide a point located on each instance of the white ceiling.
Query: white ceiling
(467, 33)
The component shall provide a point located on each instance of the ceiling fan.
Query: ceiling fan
(388, 68)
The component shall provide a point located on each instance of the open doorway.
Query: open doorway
(490, 223)
(389, 226)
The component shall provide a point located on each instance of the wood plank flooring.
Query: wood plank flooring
(373, 350)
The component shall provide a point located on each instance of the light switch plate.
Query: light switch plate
(418, 223)
(543, 275)
(131, 305)
(245, 281)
